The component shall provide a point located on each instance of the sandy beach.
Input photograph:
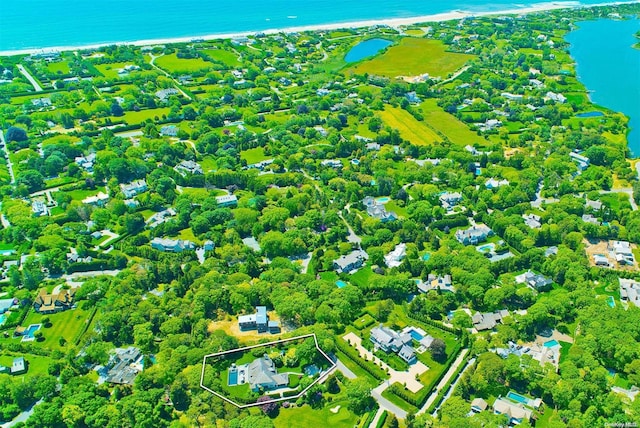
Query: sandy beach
(391, 22)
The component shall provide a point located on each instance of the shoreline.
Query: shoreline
(391, 22)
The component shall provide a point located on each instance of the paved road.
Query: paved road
(385, 404)
(443, 382)
(30, 78)
(6, 154)
(345, 370)
(22, 417)
(453, 385)
(376, 418)
(153, 58)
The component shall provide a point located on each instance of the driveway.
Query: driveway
(406, 378)
(444, 380)
(29, 77)
(385, 404)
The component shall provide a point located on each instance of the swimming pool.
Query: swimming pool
(383, 200)
(551, 343)
(517, 397)
(29, 332)
(233, 377)
(340, 283)
(486, 248)
(610, 302)
(3, 318)
(415, 335)
(426, 257)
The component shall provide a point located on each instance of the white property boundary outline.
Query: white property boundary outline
(274, 400)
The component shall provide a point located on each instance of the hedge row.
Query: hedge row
(382, 420)
(354, 356)
(455, 221)
(419, 398)
(443, 391)
(434, 323)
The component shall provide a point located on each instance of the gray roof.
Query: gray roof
(262, 373)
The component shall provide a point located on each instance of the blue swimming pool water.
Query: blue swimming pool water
(382, 200)
(590, 114)
(3, 318)
(426, 257)
(340, 283)
(415, 335)
(233, 378)
(551, 343)
(517, 397)
(28, 333)
(611, 302)
(486, 247)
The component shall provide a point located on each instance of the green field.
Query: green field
(227, 58)
(449, 125)
(291, 418)
(111, 70)
(413, 57)
(409, 127)
(67, 325)
(173, 64)
(60, 67)
(136, 117)
(36, 365)
(253, 155)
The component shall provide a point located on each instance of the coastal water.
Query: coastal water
(609, 66)
(33, 24)
(366, 49)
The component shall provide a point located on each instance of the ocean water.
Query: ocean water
(609, 66)
(32, 24)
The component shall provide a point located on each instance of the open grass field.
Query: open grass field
(227, 58)
(136, 117)
(414, 32)
(449, 125)
(409, 127)
(36, 365)
(173, 64)
(111, 70)
(67, 325)
(291, 418)
(60, 67)
(254, 155)
(413, 57)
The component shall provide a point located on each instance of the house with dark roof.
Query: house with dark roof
(378, 211)
(124, 365)
(172, 245)
(488, 320)
(263, 375)
(47, 303)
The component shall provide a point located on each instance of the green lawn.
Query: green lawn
(80, 194)
(292, 417)
(136, 117)
(254, 155)
(60, 67)
(410, 128)
(36, 365)
(208, 164)
(399, 401)
(449, 125)
(227, 58)
(111, 70)
(173, 64)
(413, 57)
(67, 324)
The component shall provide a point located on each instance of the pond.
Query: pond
(366, 49)
(590, 114)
